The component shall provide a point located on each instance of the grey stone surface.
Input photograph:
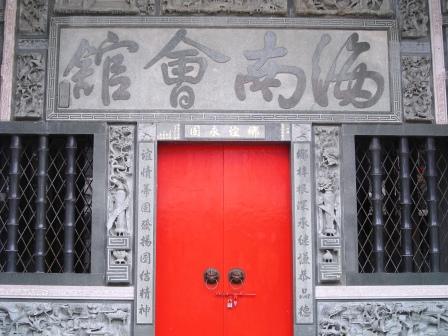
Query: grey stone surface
(65, 318)
(272, 7)
(303, 233)
(144, 307)
(418, 318)
(328, 201)
(417, 93)
(348, 7)
(120, 203)
(33, 16)
(238, 76)
(30, 85)
(96, 6)
(414, 19)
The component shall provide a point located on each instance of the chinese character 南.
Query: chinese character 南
(349, 83)
(186, 67)
(262, 74)
(112, 68)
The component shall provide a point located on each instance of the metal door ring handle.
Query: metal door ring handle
(236, 276)
(211, 277)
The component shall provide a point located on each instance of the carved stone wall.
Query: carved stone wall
(414, 18)
(30, 85)
(328, 201)
(383, 318)
(33, 16)
(271, 7)
(66, 318)
(120, 203)
(416, 83)
(348, 7)
(104, 6)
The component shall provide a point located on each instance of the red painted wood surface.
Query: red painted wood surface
(223, 206)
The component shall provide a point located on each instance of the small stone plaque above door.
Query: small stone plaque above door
(235, 69)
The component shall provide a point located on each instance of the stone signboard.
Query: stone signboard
(138, 69)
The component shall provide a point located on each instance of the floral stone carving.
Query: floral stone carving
(33, 16)
(347, 7)
(414, 18)
(272, 7)
(30, 85)
(95, 6)
(416, 81)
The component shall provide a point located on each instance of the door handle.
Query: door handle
(211, 276)
(236, 276)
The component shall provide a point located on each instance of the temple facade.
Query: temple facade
(223, 167)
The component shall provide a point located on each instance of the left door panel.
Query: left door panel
(190, 206)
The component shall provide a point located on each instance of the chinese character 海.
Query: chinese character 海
(349, 84)
(262, 74)
(112, 70)
(186, 67)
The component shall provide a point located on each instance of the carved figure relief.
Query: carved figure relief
(348, 7)
(33, 16)
(30, 85)
(58, 319)
(146, 7)
(120, 200)
(416, 81)
(383, 318)
(120, 165)
(96, 6)
(328, 202)
(273, 7)
(414, 18)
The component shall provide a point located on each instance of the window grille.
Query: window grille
(49, 205)
(402, 204)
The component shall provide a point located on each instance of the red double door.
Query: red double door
(223, 206)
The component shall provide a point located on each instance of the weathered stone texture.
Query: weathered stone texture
(33, 16)
(96, 6)
(417, 94)
(271, 7)
(65, 318)
(30, 85)
(383, 318)
(414, 18)
(347, 7)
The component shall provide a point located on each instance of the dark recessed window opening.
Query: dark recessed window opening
(45, 225)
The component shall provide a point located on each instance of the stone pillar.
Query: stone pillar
(7, 66)
(438, 61)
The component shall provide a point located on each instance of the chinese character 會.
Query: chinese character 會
(185, 66)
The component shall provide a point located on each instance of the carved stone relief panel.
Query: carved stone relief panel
(414, 18)
(146, 7)
(120, 203)
(96, 6)
(33, 16)
(65, 318)
(271, 7)
(30, 85)
(328, 200)
(383, 318)
(416, 82)
(348, 7)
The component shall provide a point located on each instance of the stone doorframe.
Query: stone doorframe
(130, 215)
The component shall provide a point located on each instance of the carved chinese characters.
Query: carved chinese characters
(81, 66)
(145, 223)
(163, 70)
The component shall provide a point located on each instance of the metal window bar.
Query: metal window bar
(396, 211)
(29, 192)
